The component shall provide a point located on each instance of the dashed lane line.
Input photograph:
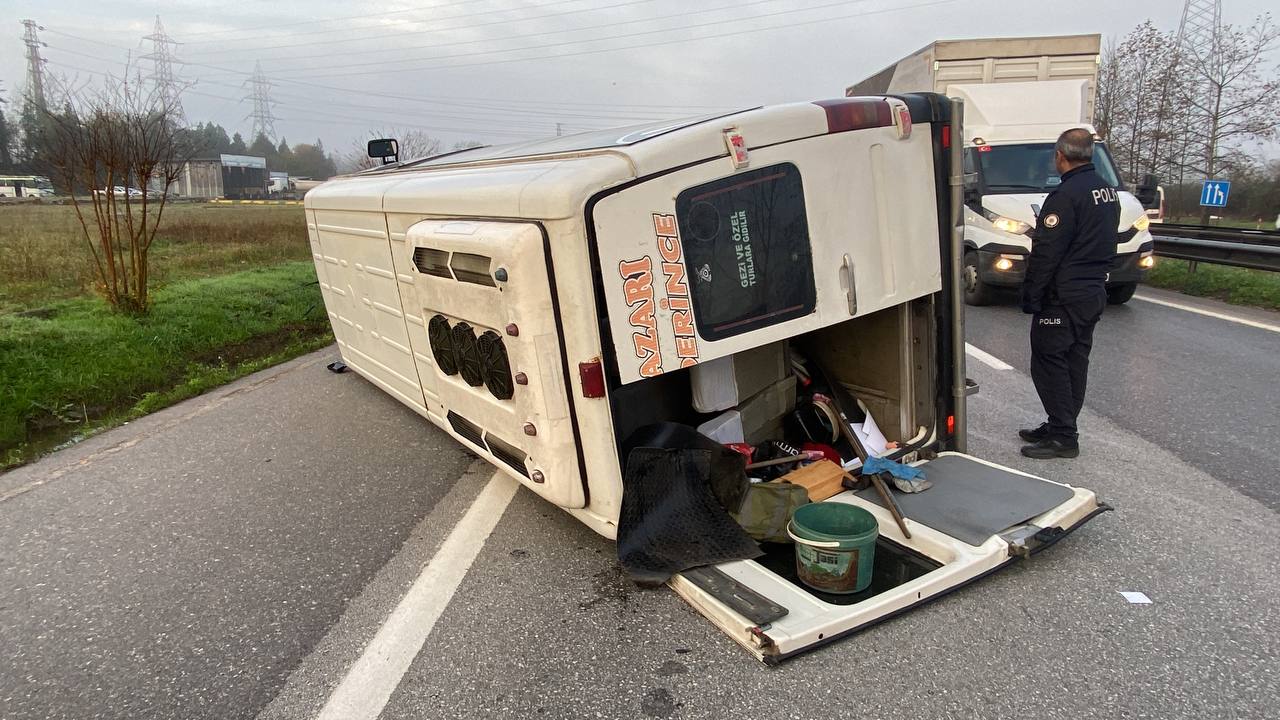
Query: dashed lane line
(986, 357)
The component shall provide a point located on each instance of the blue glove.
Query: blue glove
(906, 478)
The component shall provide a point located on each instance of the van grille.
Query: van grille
(467, 429)
(508, 454)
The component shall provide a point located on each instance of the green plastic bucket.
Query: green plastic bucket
(835, 546)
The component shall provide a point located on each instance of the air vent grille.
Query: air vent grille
(467, 429)
(472, 268)
(508, 454)
(432, 262)
(467, 267)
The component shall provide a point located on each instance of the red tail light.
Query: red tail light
(592, 374)
(951, 424)
(946, 136)
(846, 114)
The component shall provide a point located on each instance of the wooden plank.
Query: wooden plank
(820, 479)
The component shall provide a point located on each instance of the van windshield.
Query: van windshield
(1012, 169)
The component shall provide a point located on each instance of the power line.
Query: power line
(367, 123)
(274, 26)
(734, 6)
(615, 111)
(301, 80)
(84, 39)
(311, 115)
(612, 120)
(734, 33)
(298, 78)
(383, 35)
(499, 107)
(410, 112)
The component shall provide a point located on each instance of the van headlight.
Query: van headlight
(1142, 223)
(1009, 225)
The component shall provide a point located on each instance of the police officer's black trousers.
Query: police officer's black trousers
(1061, 337)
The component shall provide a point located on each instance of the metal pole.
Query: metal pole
(959, 374)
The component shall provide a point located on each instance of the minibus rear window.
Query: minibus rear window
(746, 246)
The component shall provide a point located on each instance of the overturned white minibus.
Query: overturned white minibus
(541, 302)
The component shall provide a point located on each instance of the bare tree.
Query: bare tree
(120, 134)
(1135, 110)
(414, 144)
(1234, 96)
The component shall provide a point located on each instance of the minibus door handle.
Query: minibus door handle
(846, 279)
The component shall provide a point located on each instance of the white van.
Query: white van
(1010, 131)
(540, 302)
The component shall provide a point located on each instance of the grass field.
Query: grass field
(44, 257)
(233, 291)
(1234, 285)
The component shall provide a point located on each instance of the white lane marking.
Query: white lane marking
(368, 685)
(1210, 313)
(987, 358)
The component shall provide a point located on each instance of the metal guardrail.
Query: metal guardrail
(1237, 247)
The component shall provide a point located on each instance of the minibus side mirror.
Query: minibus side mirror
(1146, 191)
(385, 149)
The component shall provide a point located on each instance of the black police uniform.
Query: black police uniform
(1064, 290)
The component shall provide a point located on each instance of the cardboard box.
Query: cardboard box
(762, 415)
(724, 428)
(729, 381)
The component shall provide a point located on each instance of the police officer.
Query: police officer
(1064, 290)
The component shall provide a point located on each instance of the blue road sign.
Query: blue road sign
(1215, 192)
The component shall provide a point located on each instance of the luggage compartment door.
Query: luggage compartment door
(908, 572)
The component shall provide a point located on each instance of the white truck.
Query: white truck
(1020, 94)
(544, 303)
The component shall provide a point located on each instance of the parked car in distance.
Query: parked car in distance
(121, 191)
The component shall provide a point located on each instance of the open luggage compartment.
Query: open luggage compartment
(976, 518)
(909, 572)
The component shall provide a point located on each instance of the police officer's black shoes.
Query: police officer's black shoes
(1049, 448)
(1036, 434)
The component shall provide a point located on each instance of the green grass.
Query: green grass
(75, 366)
(1259, 224)
(44, 257)
(1234, 285)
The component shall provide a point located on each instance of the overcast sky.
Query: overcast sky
(455, 67)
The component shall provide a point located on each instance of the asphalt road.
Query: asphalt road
(183, 565)
(1202, 387)
(233, 556)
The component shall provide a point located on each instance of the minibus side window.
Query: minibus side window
(746, 248)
